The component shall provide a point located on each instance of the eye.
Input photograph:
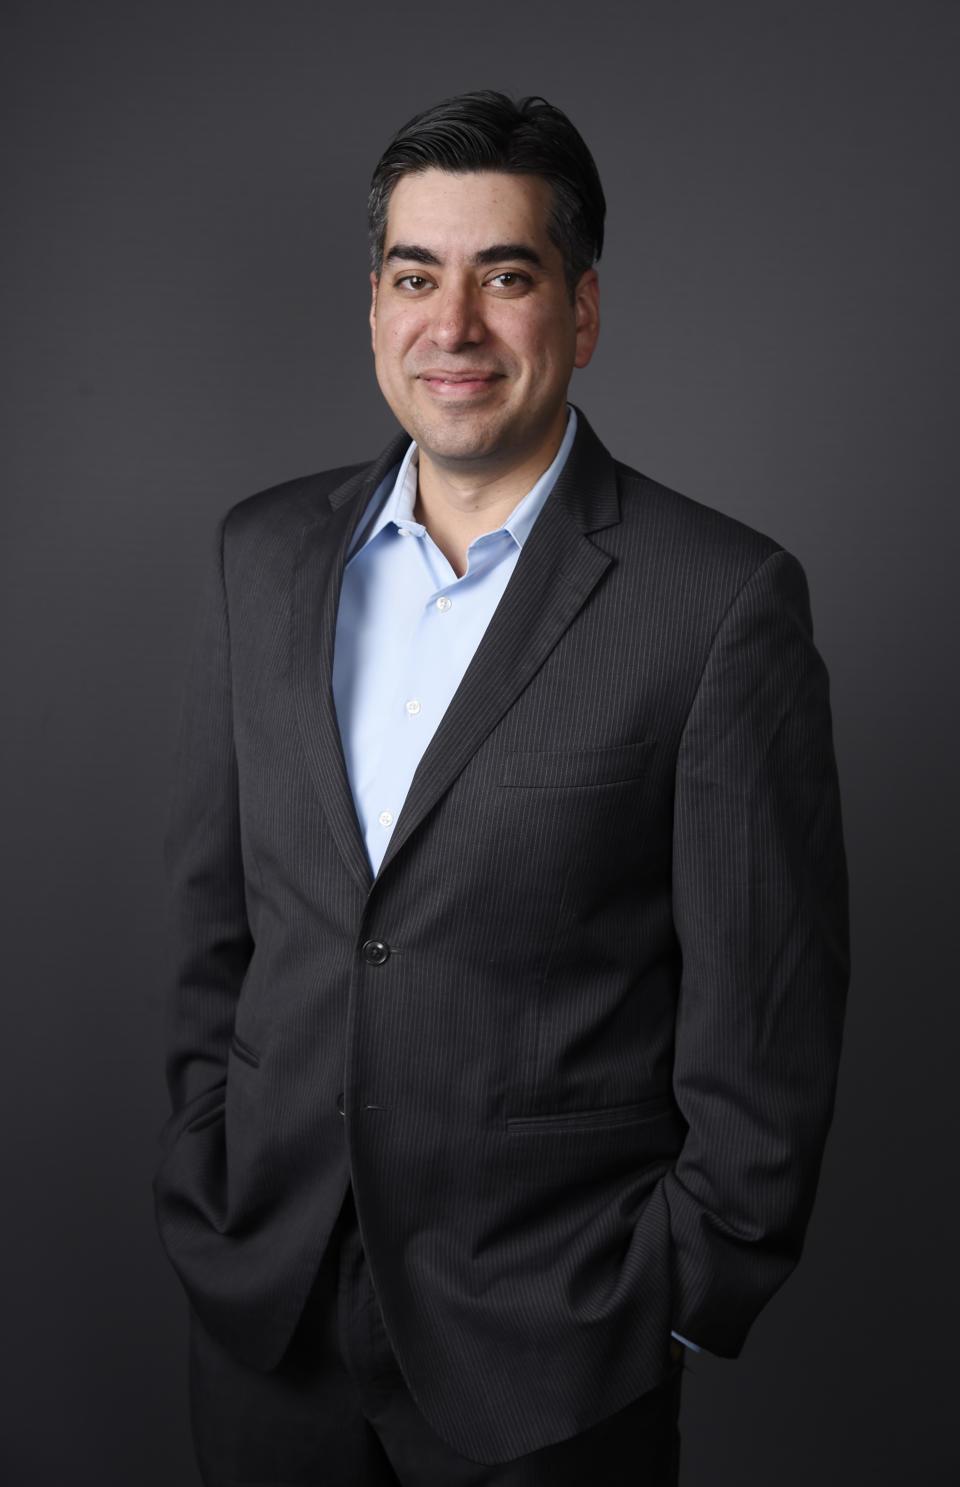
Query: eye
(509, 281)
(414, 282)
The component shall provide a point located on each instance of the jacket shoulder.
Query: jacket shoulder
(293, 503)
(689, 561)
(688, 526)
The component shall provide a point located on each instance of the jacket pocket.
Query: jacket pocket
(208, 1118)
(585, 1120)
(244, 1052)
(201, 1111)
(558, 768)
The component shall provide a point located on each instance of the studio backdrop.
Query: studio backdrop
(184, 322)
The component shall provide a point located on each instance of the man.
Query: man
(510, 895)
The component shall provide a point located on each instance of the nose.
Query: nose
(457, 317)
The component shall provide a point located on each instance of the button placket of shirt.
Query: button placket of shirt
(413, 707)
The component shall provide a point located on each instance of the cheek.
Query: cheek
(392, 329)
(400, 336)
(546, 346)
(549, 361)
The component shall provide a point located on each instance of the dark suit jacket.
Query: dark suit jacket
(575, 1046)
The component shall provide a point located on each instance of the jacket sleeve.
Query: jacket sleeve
(760, 907)
(211, 937)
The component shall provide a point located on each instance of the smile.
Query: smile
(458, 384)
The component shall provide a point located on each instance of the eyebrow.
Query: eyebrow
(496, 253)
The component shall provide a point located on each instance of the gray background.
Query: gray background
(184, 294)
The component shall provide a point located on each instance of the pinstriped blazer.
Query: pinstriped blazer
(575, 1046)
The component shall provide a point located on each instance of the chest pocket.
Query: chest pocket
(564, 768)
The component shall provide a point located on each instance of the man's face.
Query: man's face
(474, 334)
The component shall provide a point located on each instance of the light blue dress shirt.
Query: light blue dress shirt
(407, 629)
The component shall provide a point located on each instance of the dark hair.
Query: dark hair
(488, 131)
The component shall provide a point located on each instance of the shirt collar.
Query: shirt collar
(397, 509)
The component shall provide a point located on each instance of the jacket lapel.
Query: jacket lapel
(556, 572)
(324, 544)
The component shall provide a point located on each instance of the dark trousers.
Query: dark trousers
(336, 1413)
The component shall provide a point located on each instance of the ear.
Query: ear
(586, 307)
(373, 310)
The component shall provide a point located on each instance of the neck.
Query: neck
(457, 504)
(458, 509)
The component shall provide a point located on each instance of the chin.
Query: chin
(441, 441)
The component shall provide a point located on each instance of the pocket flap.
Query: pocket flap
(559, 767)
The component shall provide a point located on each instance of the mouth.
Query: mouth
(459, 384)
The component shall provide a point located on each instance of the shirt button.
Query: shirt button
(385, 818)
(375, 952)
(413, 707)
(443, 603)
(404, 532)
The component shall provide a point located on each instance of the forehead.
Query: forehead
(463, 212)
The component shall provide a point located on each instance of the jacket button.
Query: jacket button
(340, 1109)
(375, 952)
